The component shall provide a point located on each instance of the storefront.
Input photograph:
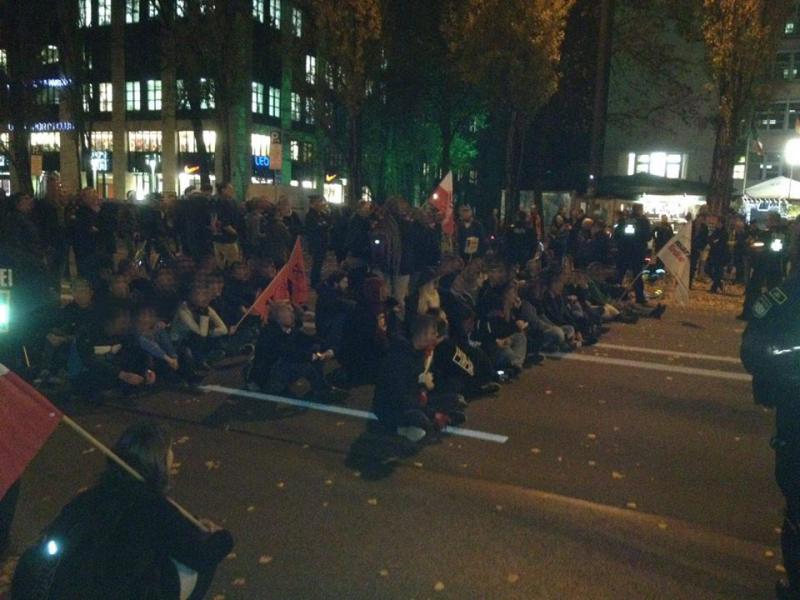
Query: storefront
(780, 195)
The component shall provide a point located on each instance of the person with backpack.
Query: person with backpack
(124, 538)
(769, 351)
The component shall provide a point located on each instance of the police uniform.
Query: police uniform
(771, 352)
(769, 254)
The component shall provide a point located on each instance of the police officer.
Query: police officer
(771, 351)
(769, 255)
(632, 235)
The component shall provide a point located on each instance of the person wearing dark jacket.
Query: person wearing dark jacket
(403, 400)
(333, 309)
(124, 538)
(86, 242)
(520, 241)
(632, 235)
(365, 336)
(470, 235)
(358, 243)
(699, 243)
(284, 355)
(718, 255)
(317, 235)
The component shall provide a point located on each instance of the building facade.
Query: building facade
(142, 139)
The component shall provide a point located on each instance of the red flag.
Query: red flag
(296, 275)
(442, 200)
(277, 288)
(27, 419)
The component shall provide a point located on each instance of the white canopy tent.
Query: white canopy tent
(777, 188)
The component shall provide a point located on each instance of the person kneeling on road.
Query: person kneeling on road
(284, 355)
(404, 400)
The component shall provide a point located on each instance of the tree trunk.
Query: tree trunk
(446, 128)
(720, 184)
(510, 167)
(354, 159)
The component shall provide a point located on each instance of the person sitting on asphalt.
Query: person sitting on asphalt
(124, 538)
(333, 309)
(197, 329)
(284, 355)
(69, 320)
(154, 340)
(105, 357)
(405, 401)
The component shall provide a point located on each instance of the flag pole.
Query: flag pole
(124, 466)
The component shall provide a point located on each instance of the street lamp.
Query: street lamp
(792, 154)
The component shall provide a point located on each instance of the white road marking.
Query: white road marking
(341, 410)
(711, 357)
(655, 366)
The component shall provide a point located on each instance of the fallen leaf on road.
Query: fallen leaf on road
(669, 378)
(251, 508)
(662, 525)
(231, 556)
(498, 508)
(535, 451)
(616, 428)
(778, 530)
(325, 505)
(591, 436)
(239, 582)
(306, 446)
(219, 597)
(328, 482)
(769, 553)
(88, 451)
(548, 392)
(512, 578)
(356, 473)
(737, 439)
(592, 463)
(372, 501)
(464, 466)
(601, 401)
(631, 505)
(617, 475)
(439, 586)
(182, 439)
(560, 459)
(281, 484)
(418, 465)
(383, 573)
(264, 559)
(780, 569)
(339, 423)
(212, 464)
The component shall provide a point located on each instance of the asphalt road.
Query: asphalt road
(639, 468)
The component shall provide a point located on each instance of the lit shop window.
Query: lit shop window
(297, 22)
(771, 116)
(45, 141)
(144, 141)
(104, 12)
(85, 13)
(260, 144)
(311, 69)
(258, 10)
(188, 143)
(102, 140)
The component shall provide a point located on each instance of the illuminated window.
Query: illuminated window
(133, 95)
(473, 177)
(275, 13)
(3, 59)
(131, 11)
(102, 140)
(154, 94)
(307, 152)
(88, 97)
(45, 141)
(274, 102)
(260, 144)
(660, 164)
(85, 13)
(180, 8)
(144, 141)
(188, 143)
(258, 97)
(311, 69)
(258, 10)
(310, 111)
(783, 66)
(296, 107)
(294, 150)
(771, 116)
(47, 95)
(207, 94)
(152, 8)
(297, 22)
(49, 55)
(738, 171)
(106, 95)
(104, 12)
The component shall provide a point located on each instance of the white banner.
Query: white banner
(676, 258)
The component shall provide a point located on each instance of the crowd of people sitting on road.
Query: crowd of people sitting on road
(162, 292)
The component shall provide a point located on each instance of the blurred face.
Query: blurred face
(242, 272)
(465, 213)
(216, 288)
(364, 209)
(145, 321)
(120, 325)
(343, 284)
(165, 281)
(82, 294)
(426, 339)
(199, 297)
(119, 288)
(285, 317)
(268, 271)
(227, 191)
(496, 276)
(25, 205)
